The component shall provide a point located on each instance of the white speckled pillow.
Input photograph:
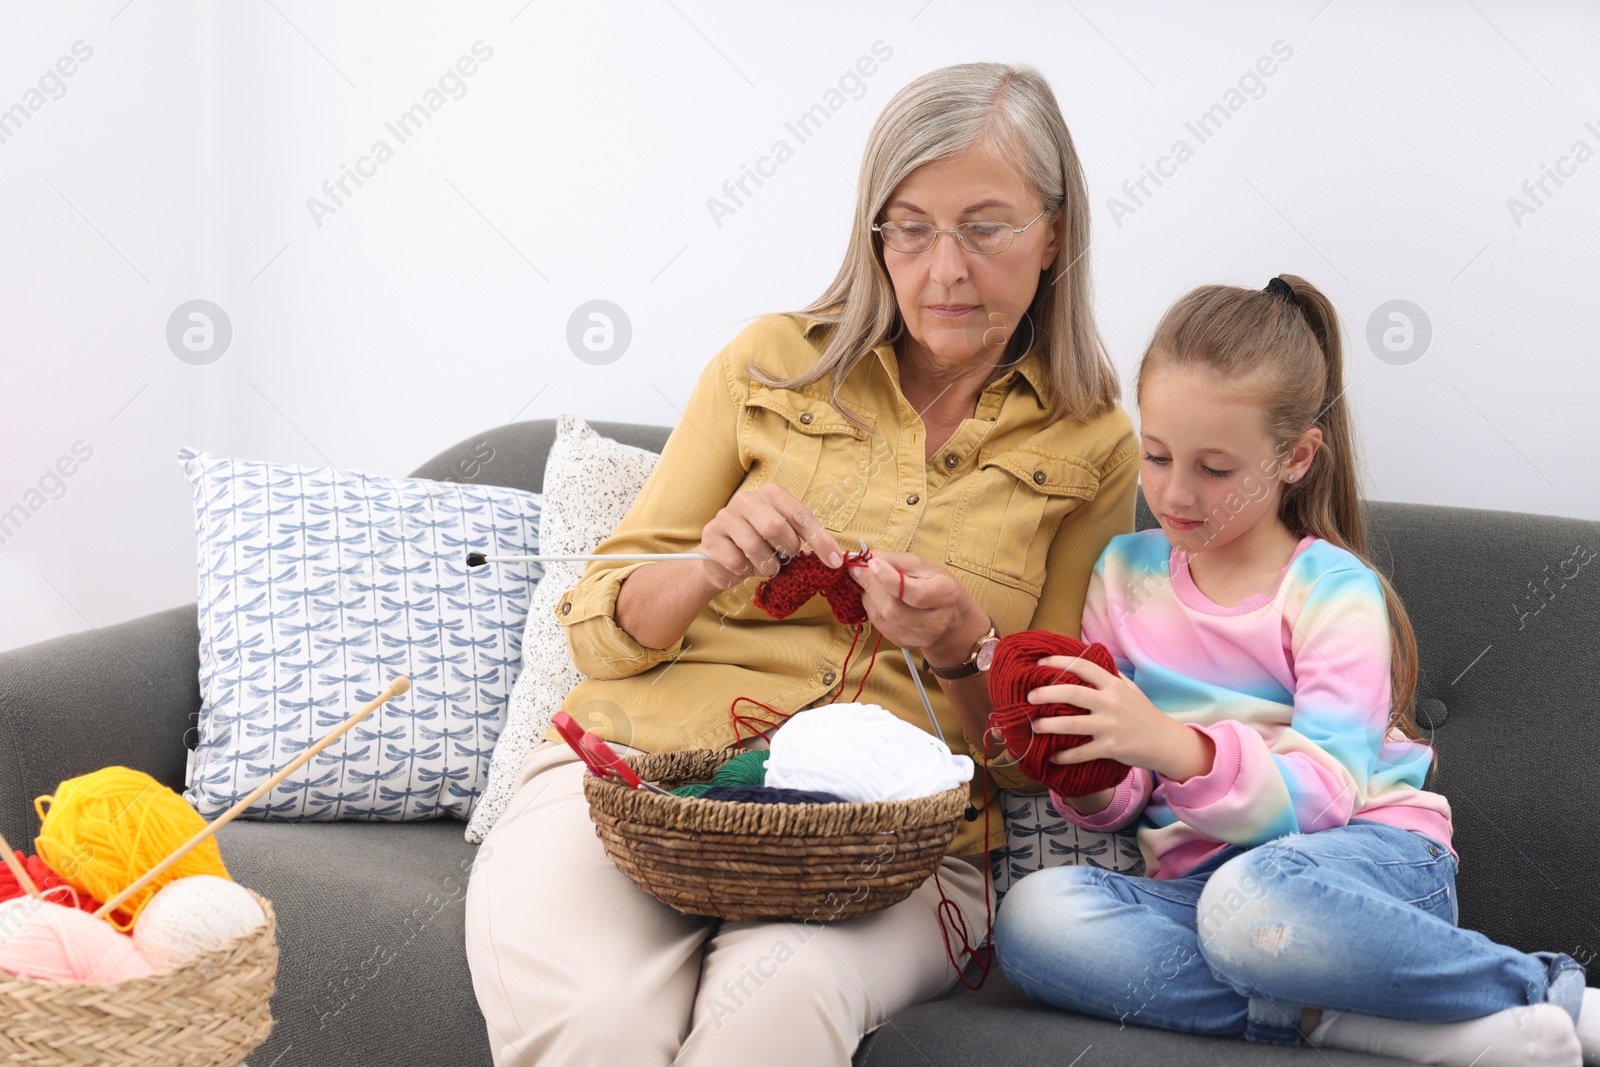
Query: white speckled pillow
(590, 482)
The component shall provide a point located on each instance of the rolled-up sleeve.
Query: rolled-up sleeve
(602, 649)
(699, 471)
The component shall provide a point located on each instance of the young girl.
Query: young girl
(1299, 880)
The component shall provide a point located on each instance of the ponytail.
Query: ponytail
(1284, 342)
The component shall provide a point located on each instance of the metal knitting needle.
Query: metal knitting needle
(478, 559)
(917, 678)
(923, 693)
(971, 814)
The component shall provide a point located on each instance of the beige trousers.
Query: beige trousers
(574, 964)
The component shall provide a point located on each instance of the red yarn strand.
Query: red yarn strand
(758, 725)
(948, 906)
(870, 661)
(844, 669)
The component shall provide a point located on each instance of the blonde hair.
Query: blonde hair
(1286, 359)
(1011, 112)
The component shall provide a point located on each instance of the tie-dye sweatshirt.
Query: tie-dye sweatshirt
(1292, 687)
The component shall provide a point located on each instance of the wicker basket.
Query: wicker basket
(733, 860)
(211, 1010)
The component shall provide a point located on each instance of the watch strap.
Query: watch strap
(969, 666)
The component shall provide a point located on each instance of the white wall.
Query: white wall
(1377, 160)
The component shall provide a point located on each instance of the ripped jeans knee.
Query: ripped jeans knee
(1253, 918)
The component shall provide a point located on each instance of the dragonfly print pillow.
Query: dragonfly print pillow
(316, 587)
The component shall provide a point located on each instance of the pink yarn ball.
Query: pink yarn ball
(40, 940)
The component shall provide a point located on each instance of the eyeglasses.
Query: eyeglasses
(982, 238)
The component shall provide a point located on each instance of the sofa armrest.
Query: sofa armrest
(124, 694)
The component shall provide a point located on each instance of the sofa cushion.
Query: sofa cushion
(370, 934)
(1520, 711)
(999, 1026)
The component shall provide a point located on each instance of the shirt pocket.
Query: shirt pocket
(809, 449)
(1009, 515)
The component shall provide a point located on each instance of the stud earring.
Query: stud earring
(1292, 477)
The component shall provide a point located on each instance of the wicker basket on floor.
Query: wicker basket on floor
(735, 860)
(211, 1010)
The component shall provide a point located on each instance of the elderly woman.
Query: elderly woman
(951, 403)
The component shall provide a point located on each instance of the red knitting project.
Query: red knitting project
(797, 581)
(1013, 675)
(803, 577)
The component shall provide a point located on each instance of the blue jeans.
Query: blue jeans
(1359, 918)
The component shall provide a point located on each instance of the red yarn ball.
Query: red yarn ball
(45, 879)
(803, 577)
(1014, 673)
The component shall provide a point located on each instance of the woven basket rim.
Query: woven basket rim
(887, 817)
(211, 958)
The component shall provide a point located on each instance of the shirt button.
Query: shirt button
(913, 498)
(950, 460)
(1432, 851)
(805, 417)
(827, 679)
(566, 608)
(1038, 476)
(991, 418)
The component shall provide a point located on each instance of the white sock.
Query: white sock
(1539, 1035)
(1589, 1026)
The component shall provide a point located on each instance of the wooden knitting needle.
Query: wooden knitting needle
(478, 559)
(399, 685)
(19, 870)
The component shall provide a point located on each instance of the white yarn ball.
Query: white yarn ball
(193, 915)
(862, 752)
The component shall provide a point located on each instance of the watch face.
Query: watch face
(986, 654)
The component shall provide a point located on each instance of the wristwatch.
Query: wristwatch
(982, 655)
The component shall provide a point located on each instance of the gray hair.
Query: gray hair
(1011, 111)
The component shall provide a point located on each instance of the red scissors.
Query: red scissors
(599, 757)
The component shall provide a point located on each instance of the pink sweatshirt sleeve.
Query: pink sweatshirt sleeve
(1127, 804)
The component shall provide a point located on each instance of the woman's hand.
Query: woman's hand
(757, 532)
(1121, 724)
(935, 614)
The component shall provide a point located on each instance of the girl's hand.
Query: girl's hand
(937, 614)
(757, 532)
(1121, 724)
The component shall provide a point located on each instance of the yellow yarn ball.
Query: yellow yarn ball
(105, 829)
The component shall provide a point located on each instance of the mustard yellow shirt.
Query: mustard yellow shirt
(1016, 508)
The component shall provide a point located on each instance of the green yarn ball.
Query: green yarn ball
(747, 768)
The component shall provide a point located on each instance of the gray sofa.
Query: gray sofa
(372, 968)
